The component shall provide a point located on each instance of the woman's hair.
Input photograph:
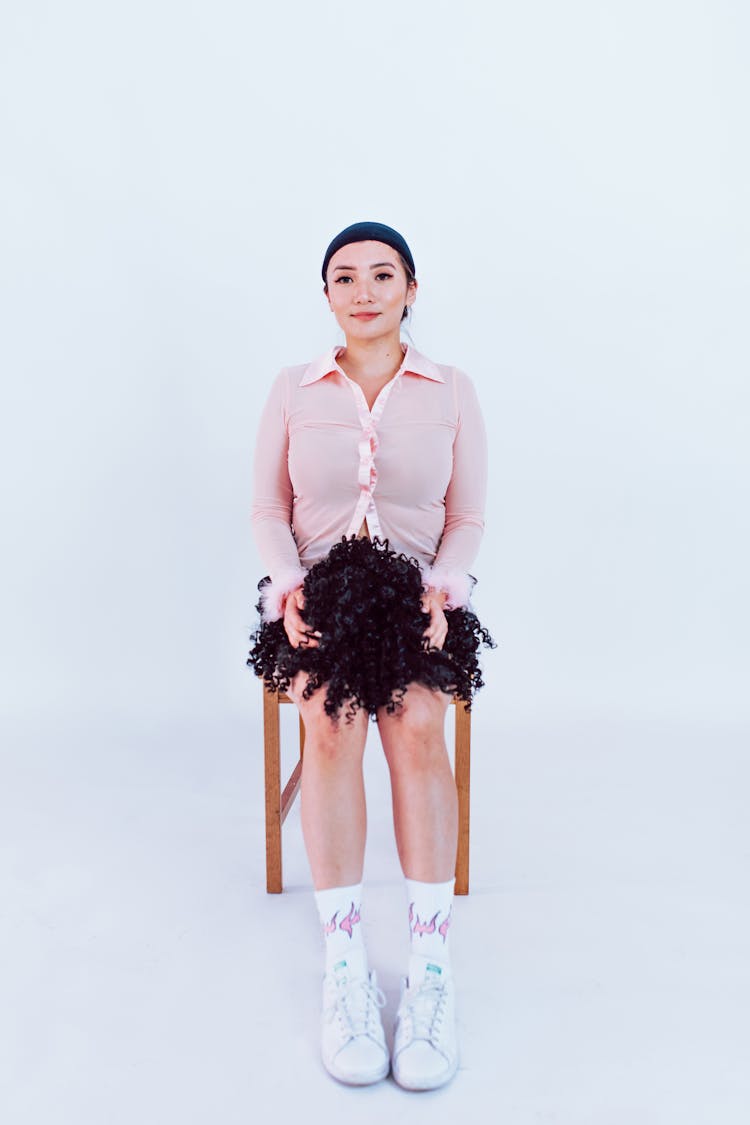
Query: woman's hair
(365, 599)
(410, 277)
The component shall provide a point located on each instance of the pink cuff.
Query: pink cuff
(456, 584)
(273, 596)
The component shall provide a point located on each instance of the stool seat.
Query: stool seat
(279, 801)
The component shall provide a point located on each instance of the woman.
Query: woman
(370, 478)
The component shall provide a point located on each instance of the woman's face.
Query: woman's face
(367, 289)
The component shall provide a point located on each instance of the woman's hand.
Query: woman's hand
(433, 602)
(296, 629)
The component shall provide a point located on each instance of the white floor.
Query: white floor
(601, 957)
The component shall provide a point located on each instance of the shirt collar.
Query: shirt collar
(413, 362)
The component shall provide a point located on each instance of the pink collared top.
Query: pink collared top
(414, 467)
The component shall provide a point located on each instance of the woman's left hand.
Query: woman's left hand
(433, 602)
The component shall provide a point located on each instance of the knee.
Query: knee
(320, 727)
(416, 741)
(333, 741)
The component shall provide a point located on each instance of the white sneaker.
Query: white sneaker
(353, 1040)
(425, 1049)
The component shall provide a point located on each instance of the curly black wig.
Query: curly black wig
(365, 599)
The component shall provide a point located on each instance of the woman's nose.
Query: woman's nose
(362, 291)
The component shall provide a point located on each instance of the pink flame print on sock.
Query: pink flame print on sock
(425, 927)
(347, 924)
(443, 927)
(330, 927)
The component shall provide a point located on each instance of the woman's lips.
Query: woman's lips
(365, 316)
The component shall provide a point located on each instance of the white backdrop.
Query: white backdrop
(573, 182)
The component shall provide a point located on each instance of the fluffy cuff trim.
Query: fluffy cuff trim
(273, 596)
(456, 584)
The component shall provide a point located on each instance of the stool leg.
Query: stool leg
(462, 764)
(272, 757)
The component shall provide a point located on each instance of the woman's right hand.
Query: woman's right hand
(296, 629)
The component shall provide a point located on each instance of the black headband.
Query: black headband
(365, 232)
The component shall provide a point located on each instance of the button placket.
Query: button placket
(367, 473)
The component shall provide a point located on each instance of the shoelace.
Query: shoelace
(424, 1010)
(356, 1005)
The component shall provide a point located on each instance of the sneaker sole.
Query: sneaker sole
(363, 1078)
(432, 1084)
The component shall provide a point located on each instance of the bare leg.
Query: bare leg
(425, 804)
(332, 793)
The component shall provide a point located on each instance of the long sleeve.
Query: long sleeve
(464, 501)
(272, 502)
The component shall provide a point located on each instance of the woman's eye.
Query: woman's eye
(346, 277)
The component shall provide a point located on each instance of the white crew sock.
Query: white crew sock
(430, 916)
(339, 909)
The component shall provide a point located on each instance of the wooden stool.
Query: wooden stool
(278, 803)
